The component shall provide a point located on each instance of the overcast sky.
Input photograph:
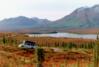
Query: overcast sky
(50, 9)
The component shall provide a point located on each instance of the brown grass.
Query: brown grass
(12, 56)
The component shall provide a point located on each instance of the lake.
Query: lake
(68, 35)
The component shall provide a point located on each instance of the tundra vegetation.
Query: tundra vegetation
(51, 52)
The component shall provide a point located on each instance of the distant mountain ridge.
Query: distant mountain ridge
(21, 22)
(81, 18)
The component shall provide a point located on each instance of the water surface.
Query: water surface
(68, 35)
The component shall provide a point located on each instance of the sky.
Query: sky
(44, 9)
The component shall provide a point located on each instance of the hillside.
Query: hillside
(21, 22)
(81, 18)
(84, 17)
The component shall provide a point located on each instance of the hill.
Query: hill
(81, 18)
(84, 17)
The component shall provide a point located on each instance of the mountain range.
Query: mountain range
(81, 18)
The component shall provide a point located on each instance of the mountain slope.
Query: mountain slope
(83, 17)
(21, 22)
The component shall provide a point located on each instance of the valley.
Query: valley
(65, 52)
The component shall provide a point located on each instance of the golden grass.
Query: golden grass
(12, 56)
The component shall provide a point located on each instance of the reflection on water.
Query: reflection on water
(69, 35)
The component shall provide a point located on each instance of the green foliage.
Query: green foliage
(40, 56)
(4, 40)
(96, 54)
